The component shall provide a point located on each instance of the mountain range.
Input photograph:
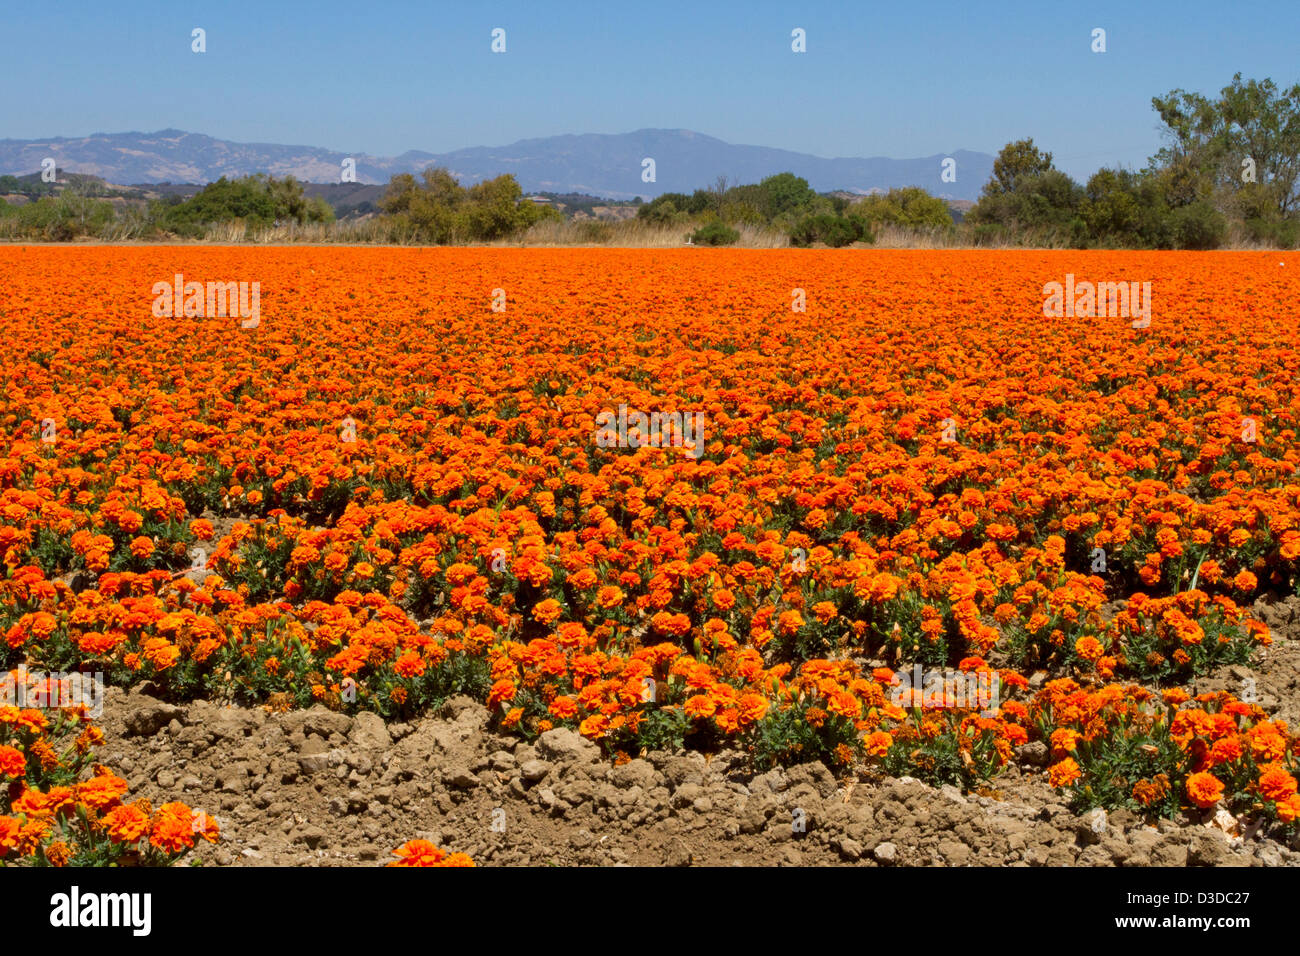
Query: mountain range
(608, 165)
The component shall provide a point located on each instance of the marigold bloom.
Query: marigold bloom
(594, 727)
(502, 690)
(1204, 789)
(409, 665)
(1064, 772)
(1088, 648)
(751, 708)
(12, 762)
(845, 705)
(1064, 740)
(10, 835)
(547, 611)
(1276, 784)
(563, 708)
(1288, 810)
(125, 823)
(424, 853)
(101, 792)
(878, 743)
(1225, 750)
(58, 853)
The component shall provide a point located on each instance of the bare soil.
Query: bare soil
(318, 788)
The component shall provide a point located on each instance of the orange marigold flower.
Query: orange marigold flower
(502, 690)
(12, 762)
(844, 704)
(1064, 773)
(1148, 792)
(1088, 648)
(1276, 784)
(751, 708)
(409, 664)
(1288, 811)
(1266, 741)
(424, 853)
(1225, 750)
(1064, 740)
(563, 708)
(58, 853)
(878, 743)
(172, 832)
(594, 727)
(161, 653)
(1204, 789)
(126, 823)
(727, 720)
(548, 611)
(789, 622)
(700, 706)
(10, 835)
(102, 791)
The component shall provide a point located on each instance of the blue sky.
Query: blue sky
(878, 78)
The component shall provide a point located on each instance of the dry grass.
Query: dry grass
(628, 233)
(633, 233)
(889, 236)
(362, 231)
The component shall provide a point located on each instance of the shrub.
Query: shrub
(1199, 226)
(715, 234)
(911, 208)
(64, 218)
(1047, 202)
(784, 193)
(671, 209)
(442, 211)
(834, 231)
(1281, 233)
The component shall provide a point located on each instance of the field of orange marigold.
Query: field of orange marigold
(388, 488)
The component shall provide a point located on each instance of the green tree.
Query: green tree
(666, 209)
(1112, 207)
(1043, 208)
(440, 210)
(910, 207)
(1016, 161)
(784, 193)
(1214, 141)
(492, 208)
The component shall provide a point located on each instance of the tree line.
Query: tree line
(1229, 172)
(1229, 169)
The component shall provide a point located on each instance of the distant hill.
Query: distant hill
(608, 165)
(18, 190)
